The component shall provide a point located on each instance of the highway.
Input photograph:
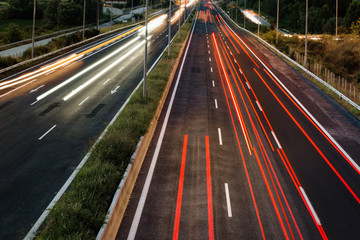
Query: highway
(246, 148)
(51, 114)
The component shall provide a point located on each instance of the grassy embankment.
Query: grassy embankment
(81, 211)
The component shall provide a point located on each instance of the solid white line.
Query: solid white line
(216, 104)
(310, 206)
(276, 140)
(121, 69)
(106, 81)
(46, 132)
(258, 104)
(211, 69)
(220, 137)
(247, 84)
(228, 204)
(140, 207)
(213, 83)
(83, 101)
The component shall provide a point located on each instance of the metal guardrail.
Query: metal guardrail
(348, 100)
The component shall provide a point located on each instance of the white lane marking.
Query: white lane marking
(33, 103)
(121, 69)
(115, 90)
(143, 196)
(211, 69)
(247, 84)
(276, 140)
(209, 59)
(208, 46)
(231, 53)
(228, 204)
(106, 81)
(69, 64)
(216, 104)
(310, 206)
(228, 47)
(209, 51)
(258, 104)
(36, 89)
(235, 60)
(240, 71)
(83, 101)
(17, 88)
(220, 137)
(213, 83)
(47, 132)
(132, 59)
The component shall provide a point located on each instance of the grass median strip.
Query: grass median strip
(81, 211)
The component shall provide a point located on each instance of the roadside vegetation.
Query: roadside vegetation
(81, 212)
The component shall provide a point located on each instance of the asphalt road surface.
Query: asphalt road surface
(245, 149)
(51, 114)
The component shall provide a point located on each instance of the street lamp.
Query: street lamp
(83, 32)
(145, 57)
(33, 32)
(277, 21)
(306, 31)
(259, 20)
(169, 34)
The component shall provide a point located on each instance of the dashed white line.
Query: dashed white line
(47, 132)
(33, 103)
(106, 81)
(216, 104)
(50, 72)
(208, 46)
(276, 140)
(211, 69)
(258, 104)
(310, 206)
(220, 137)
(213, 83)
(209, 51)
(240, 71)
(247, 84)
(235, 60)
(231, 53)
(121, 69)
(83, 101)
(209, 59)
(228, 204)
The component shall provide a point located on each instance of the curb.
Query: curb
(128, 183)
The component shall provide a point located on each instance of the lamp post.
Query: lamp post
(169, 34)
(145, 57)
(337, 11)
(306, 31)
(259, 20)
(83, 31)
(33, 32)
(277, 21)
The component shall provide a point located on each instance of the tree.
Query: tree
(12, 33)
(51, 12)
(352, 13)
(355, 27)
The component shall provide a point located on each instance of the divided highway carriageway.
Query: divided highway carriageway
(52, 113)
(246, 148)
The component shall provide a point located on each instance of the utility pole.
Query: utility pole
(83, 32)
(179, 17)
(337, 10)
(97, 15)
(169, 34)
(236, 10)
(146, 34)
(111, 10)
(33, 32)
(306, 32)
(244, 14)
(259, 20)
(277, 21)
